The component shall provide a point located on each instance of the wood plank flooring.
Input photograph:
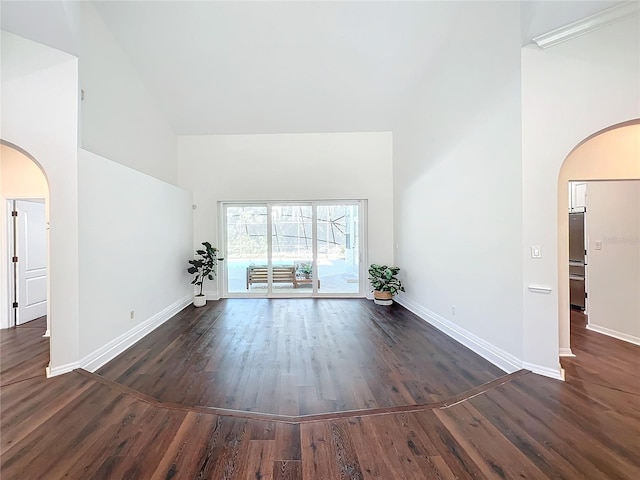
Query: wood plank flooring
(78, 427)
(25, 353)
(299, 357)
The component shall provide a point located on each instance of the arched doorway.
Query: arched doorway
(610, 154)
(24, 248)
(24, 187)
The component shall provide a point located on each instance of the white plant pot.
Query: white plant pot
(383, 302)
(199, 300)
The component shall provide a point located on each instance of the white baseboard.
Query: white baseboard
(566, 352)
(501, 359)
(59, 370)
(545, 371)
(486, 350)
(115, 347)
(614, 333)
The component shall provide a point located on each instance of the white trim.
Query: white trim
(601, 19)
(625, 337)
(546, 371)
(566, 352)
(55, 371)
(539, 289)
(115, 347)
(500, 358)
(212, 294)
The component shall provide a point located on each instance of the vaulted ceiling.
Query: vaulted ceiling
(273, 67)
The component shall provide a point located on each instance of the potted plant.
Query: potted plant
(203, 267)
(306, 270)
(385, 283)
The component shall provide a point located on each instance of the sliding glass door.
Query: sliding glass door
(338, 256)
(246, 244)
(313, 249)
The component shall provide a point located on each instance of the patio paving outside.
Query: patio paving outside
(335, 275)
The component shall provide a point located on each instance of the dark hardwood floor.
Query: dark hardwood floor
(299, 357)
(602, 363)
(84, 426)
(25, 353)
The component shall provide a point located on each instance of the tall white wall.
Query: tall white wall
(457, 186)
(321, 166)
(119, 118)
(40, 115)
(569, 92)
(135, 238)
(613, 218)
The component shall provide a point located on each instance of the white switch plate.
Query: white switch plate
(536, 252)
(598, 245)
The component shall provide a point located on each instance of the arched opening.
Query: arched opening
(24, 244)
(610, 154)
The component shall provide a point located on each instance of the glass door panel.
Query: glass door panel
(299, 249)
(338, 249)
(292, 249)
(246, 257)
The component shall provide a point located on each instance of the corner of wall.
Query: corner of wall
(500, 358)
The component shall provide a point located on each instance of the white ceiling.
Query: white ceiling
(281, 67)
(264, 67)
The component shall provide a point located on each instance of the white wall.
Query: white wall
(40, 115)
(457, 187)
(20, 177)
(290, 167)
(613, 218)
(119, 119)
(569, 92)
(135, 240)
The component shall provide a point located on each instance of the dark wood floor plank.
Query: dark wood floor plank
(187, 449)
(242, 354)
(600, 360)
(484, 443)
(229, 450)
(373, 457)
(27, 405)
(260, 461)
(287, 470)
(454, 455)
(540, 449)
(318, 460)
(287, 442)
(26, 358)
(83, 426)
(413, 443)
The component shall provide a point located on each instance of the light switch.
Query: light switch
(536, 252)
(598, 245)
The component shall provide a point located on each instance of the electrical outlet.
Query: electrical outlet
(133, 314)
(453, 309)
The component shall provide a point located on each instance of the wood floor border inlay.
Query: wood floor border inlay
(319, 417)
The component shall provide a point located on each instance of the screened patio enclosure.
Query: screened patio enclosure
(293, 249)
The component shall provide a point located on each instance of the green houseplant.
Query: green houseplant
(203, 267)
(385, 283)
(306, 269)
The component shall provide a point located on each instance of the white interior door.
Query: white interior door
(31, 252)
